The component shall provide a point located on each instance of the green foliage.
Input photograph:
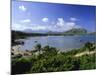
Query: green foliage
(21, 65)
(38, 47)
(49, 51)
(87, 62)
(77, 31)
(90, 46)
(51, 61)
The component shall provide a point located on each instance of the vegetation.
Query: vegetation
(38, 48)
(52, 60)
(77, 31)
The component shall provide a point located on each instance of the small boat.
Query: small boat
(80, 40)
(35, 41)
(22, 43)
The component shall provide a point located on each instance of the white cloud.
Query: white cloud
(62, 25)
(59, 26)
(45, 19)
(23, 8)
(39, 28)
(60, 22)
(25, 21)
(77, 26)
(70, 24)
(73, 19)
(18, 27)
(32, 27)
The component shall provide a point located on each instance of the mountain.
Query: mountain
(35, 31)
(92, 33)
(54, 32)
(28, 31)
(76, 31)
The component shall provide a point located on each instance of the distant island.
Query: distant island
(74, 31)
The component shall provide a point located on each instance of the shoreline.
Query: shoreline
(16, 51)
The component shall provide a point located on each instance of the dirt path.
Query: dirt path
(84, 53)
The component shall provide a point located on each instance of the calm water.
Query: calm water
(61, 42)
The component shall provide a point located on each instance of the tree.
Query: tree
(21, 66)
(88, 46)
(49, 51)
(46, 48)
(38, 48)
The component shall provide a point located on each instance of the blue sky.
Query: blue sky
(52, 17)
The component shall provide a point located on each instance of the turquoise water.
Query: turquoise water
(60, 42)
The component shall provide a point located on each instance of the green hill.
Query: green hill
(76, 31)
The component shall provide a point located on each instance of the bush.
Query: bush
(87, 62)
(51, 61)
(21, 66)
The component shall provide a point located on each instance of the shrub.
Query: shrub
(21, 66)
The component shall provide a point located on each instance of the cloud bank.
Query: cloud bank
(60, 25)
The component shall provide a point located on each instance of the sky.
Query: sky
(37, 16)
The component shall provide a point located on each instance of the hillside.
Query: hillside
(76, 31)
(92, 33)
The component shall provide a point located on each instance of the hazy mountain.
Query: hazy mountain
(92, 33)
(76, 31)
(35, 31)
